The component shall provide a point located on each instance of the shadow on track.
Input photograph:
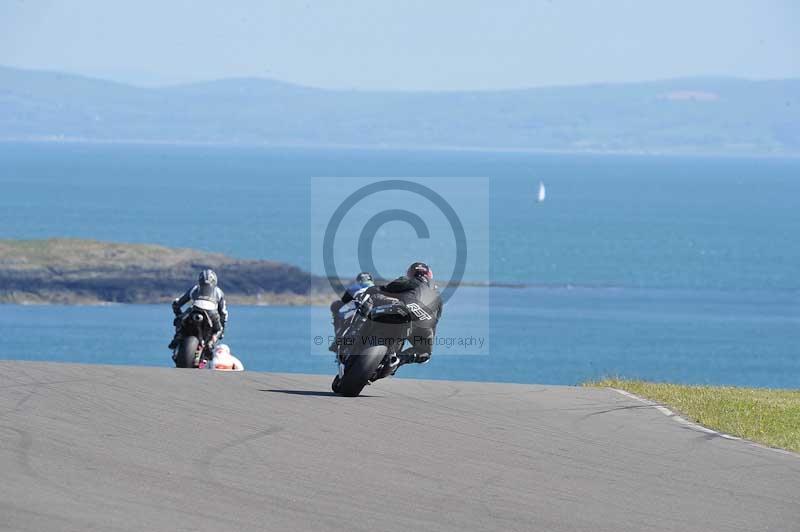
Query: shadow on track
(309, 392)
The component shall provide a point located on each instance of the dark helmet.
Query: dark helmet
(420, 270)
(365, 279)
(207, 278)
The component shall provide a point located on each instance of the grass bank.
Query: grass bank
(771, 417)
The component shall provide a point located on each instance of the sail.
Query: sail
(542, 192)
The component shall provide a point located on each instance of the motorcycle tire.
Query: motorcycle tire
(186, 351)
(359, 369)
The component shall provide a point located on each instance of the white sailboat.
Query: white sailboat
(542, 194)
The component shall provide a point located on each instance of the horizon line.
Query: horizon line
(169, 86)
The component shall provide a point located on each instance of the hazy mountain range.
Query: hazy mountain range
(696, 115)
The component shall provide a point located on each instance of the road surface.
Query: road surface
(131, 449)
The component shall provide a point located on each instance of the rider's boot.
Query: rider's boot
(337, 323)
(176, 340)
(410, 356)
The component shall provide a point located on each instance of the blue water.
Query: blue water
(559, 336)
(655, 222)
(680, 269)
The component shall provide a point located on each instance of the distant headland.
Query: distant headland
(71, 271)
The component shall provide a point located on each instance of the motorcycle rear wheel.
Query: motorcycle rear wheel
(186, 351)
(359, 369)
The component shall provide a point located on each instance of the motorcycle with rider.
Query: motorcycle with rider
(373, 328)
(200, 325)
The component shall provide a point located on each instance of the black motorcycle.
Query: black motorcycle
(198, 337)
(369, 341)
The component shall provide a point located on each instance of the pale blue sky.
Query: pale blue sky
(446, 44)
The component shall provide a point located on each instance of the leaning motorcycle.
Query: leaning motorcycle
(371, 336)
(198, 336)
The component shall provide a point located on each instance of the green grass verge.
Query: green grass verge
(771, 417)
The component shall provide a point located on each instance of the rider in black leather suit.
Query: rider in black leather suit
(417, 291)
(205, 289)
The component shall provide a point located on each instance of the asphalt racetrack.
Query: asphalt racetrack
(133, 448)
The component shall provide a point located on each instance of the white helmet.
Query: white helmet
(222, 350)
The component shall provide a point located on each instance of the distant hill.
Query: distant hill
(86, 271)
(697, 115)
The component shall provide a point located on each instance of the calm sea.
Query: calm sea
(680, 269)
